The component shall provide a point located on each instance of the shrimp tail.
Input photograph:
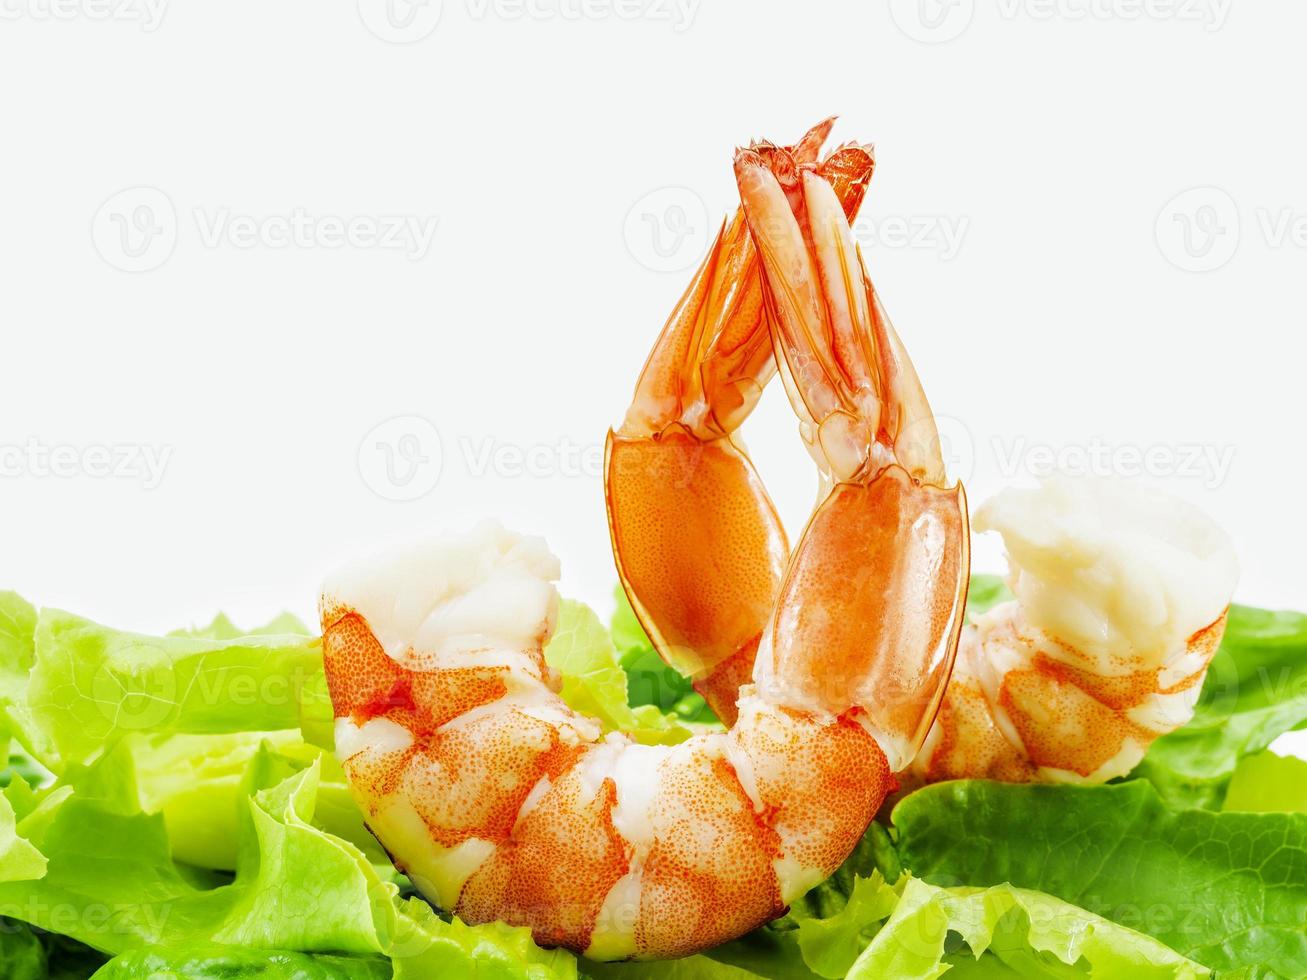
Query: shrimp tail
(699, 546)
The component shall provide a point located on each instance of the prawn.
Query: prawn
(502, 803)
(676, 473)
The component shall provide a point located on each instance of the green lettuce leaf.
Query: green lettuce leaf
(226, 963)
(23, 768)
(111, 882)
(232, 828)
(317, 721)
(650, 680)
(1228, 890)
(22, 957)
(912, 930)
(17, 655)
(689, 968)
(25, 955)
(984, 592)
(222, 628)
(830, 946)
(425, 945)
(1256, 689)
(19, 859)
(1268, 783)
(197, 782)
(91, 685)
(1026, 933)
(594, 682)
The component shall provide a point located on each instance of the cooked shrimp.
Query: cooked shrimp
(1121, 594)
(500, 802)
(677, 475)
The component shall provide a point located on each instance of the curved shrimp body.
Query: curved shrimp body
(700, 549)
(500, 802)
(1121, 601)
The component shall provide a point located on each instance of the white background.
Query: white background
(1061, 286)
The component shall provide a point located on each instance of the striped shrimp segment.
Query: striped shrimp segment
(1121, 594)
(500, 802)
